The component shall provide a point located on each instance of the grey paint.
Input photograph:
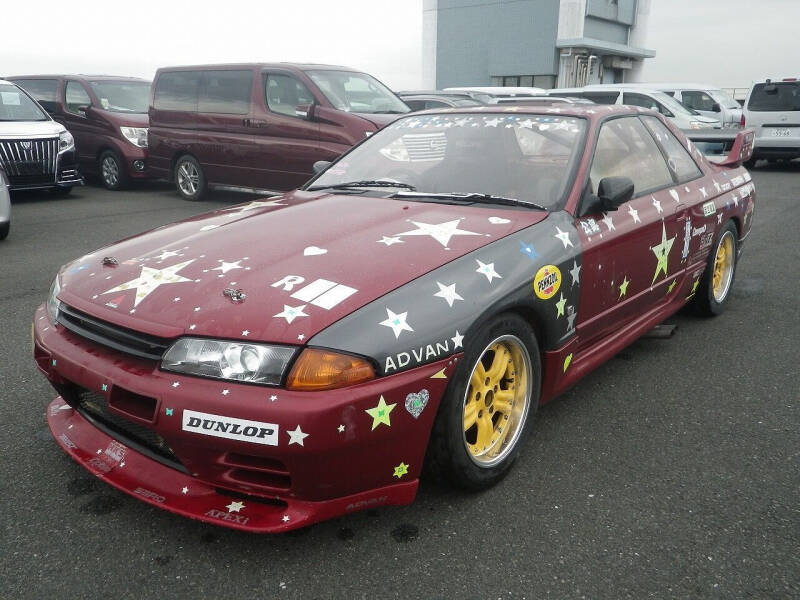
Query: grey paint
(623, 11)
(605, 30)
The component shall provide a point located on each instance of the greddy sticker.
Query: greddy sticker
(243, 430)
(547, 282)
(709, 208)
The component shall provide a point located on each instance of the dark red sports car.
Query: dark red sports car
(292, 359)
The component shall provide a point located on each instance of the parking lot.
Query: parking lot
(671, 472)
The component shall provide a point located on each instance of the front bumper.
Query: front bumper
(343, 465)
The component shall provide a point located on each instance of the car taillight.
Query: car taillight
(741, 121)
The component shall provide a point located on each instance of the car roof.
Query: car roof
(587, 111)
(82, 77)
(265, 65)
(661, 86)
(432, 93)
(497, 90)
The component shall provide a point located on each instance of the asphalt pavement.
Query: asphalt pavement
(673, 471)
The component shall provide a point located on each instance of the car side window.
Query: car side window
(645, 101)
(285, 93)
(678, 159)
(699, 101)
(76, 97)
(44, 90)
(599, 97)
(177, 90)
(626, 149)
(435, 104)
(415, 104)
(225, 92)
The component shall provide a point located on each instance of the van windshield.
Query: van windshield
(15, 105)
(357, 92)
(775, 97)
(723, 99)
(122, 96)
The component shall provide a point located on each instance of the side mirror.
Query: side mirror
(716, 107)
(84, 110)
(614, 191)
(320, 166)
(305, 111)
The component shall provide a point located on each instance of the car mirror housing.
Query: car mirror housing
(320, 166)
(614, 191)
(305, 111)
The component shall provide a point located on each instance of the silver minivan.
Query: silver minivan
(676, 112)
(772, 109)
(707, 100)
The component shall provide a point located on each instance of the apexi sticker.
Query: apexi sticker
(709, 208)
(320, 292)
(221, 514)
(243, 430)
(547, 282)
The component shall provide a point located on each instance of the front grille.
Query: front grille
(29, 162)
(94, 406)
(113, 336)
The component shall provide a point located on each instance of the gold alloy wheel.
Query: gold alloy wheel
(496, 401)
(723, 267)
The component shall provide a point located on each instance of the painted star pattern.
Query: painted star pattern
(488, 270)
(396, 321)
(441, 232)
(609, 222)
(662, 251)
(623, 287)
(575, 272)
(564, 237)
(235, 506)
(297, 436)
(448, 292)
(657, 204)
(256, 204)
(290, 313)
(380, 413)
(388, 240)
(458, 340)
(150, 279)
(634, 214)
(227, 266)
(400, 470)
(560, 306)
(528, 250)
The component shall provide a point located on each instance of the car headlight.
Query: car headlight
(698, 125)
(53, 303)
(220, 359)
(135, 135)
(65, 141)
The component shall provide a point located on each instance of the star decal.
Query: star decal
(400, 470)
(290, 313)
(609, 222)
(169, 411)
(441, 232)
(255, 204)
(285, 518)
(528, 250)
(235, 506)
(458, 340)
(273, 398)
(488, 270)
(657, 204)
(672, 286)
(694, 287)
(246, 332)
(380, 413)
(150, 279)
(571, 321)
(564, 237)
(492, 122)
(662, 251)
(166, 254)
(634, 214)
(340, 429)
(448, 292)
(704, 192)
(227, 266)
(719, 218)
(185, 490)
(397, 322)
(623, 287)
(575, 272)
(297, 436)
(560, 306)
(390, 240)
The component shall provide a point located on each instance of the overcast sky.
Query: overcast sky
(723, 42)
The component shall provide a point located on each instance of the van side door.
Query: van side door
(84, 129)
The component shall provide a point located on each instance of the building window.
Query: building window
(542, 81)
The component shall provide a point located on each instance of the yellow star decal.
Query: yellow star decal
(662, 251)
(560, 306)
(623, 287)
(400, 470)
(380, 413)
(672, 286)
(694, 286)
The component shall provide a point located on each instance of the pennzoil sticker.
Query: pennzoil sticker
(547, 282)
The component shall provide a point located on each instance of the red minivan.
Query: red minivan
(259, 126)
(106, 115)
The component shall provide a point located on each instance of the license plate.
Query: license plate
(781, 132)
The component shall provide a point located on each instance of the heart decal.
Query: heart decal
(314, 251)
(416, 403)
(674, 195)
(498, 220)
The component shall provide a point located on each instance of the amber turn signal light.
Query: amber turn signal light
(317, 370)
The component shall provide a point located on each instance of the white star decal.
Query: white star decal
(235, 506)
(290, 313)
(176, 384)
(273, 398)
(488, 270)
(340, 429)
(301, 337)
(297, 436)
(246, 332)
(441, 232)
(634, 214)
(564, 237)
(390, 240)
(458, 340)
(704, 192)
(575, 271)
(150, 279)
(716, 186)
(256, 204)
(657, 204)
(227, 266)
(397, 322)
(448, 292)
(185, 490)
(491, 122)
(285, 518)
(225, 392)
(527, 124)
(609, 222)
(166, 254)
(719, 218)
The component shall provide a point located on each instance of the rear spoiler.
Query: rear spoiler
(727, 148)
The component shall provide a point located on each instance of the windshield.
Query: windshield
(527, 157)
(122, 96)
(723, 99)
(15, 105)
(357, 92)
(775, 97)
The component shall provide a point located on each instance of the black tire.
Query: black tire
(706, 302)
(190, 181)
(112, 171)
(4, 229)
(448, 456)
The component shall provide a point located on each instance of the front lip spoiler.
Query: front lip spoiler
(145, 479)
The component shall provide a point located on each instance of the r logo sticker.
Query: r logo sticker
(547, 282)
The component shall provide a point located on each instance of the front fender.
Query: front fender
(433, 316)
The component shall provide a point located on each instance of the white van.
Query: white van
(676, 112)
(708, 100)
(772, 109)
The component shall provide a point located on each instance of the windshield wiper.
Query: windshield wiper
(362, 183)
(475, 197)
